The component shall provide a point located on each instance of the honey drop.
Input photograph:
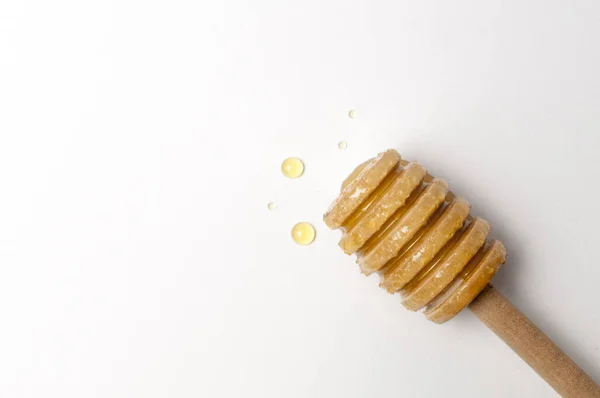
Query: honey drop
(292, 167)
(303, 233)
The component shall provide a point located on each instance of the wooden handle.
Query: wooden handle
(532, 345)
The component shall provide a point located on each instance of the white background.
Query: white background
(140, 142)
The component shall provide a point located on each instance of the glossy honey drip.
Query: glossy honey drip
(407, 226)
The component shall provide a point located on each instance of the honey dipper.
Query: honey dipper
(407, 226)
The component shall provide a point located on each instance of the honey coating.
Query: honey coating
(427, 285)
(380, 206)
(360, 187)
(406, 267)
(407, 225)
(393, 237)
(470, 283)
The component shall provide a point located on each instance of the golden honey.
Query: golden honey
(292, 167)
(303, 233)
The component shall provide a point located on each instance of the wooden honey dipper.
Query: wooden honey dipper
(407, 226)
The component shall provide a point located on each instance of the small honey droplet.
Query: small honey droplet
(342, 145)
(292, 167)
(303, 233)
(352, 114)
(272, 206)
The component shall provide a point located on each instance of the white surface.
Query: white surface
(140, 142)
